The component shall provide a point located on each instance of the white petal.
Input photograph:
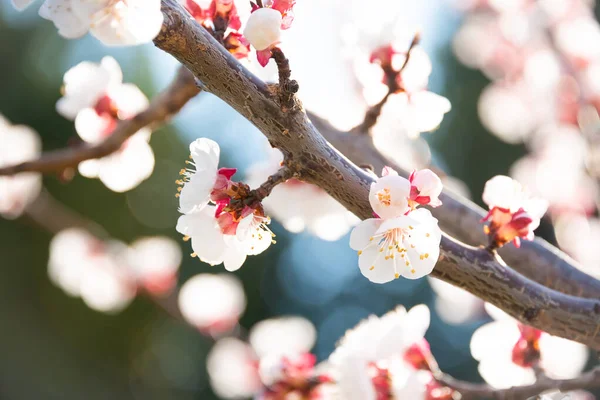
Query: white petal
(234, 259)
(389, 196)
(22, 4)
(361, 234)
(505, 374)
(129, 100)
(375, 267)
(205, 153)
(417, 321)
(69, 25)
(127, 168)
(282, 336)
(195, 194)
(354, 382)
(494, 340)
(562, 358)
(207, 299)
(427, 110)
(89, 168)
(504, 192)
(91, 127)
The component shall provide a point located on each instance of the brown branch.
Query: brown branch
(460, 217)
(287, 88)
(588, 380)
(264, 190)
(315, 161)
(162, 107)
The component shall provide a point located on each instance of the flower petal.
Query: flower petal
(361, 234)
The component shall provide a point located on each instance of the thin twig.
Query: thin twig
(287, 88)
(391, 81)
(264, 190)
(588, 380)
(162, 108)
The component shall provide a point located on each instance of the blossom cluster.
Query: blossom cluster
(107, 274)
(113, 22)
(221, 217)
(542, 59)
(95, 97)
(244, 24)
(402, 239)
(19, 143)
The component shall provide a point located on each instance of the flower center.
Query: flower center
(384, 196)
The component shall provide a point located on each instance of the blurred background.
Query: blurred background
(54, 347)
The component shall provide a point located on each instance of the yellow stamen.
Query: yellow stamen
(186, 238)
(359, 252)
(372, 268)
(194, 255)
(412, 271)
(397, 275)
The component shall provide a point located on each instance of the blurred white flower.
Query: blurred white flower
(299, 206)
(276, 363)
(95, 97)
(113, 22)
(212, 303)
(368, 362)
(579, 236)
(514, 215)
(154, 263)
(19, 143)
(454, 305)
(84, 266)
(407, 246)
(507, 352)
(232, 369)
(284, 336)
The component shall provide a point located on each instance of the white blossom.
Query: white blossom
(407, 246)
(508, 194)
(493, 343)
(83, 266)
(379, 343)
(95, 97)
(19, 143)
(113, 22)
(212, 303)
(154, 263)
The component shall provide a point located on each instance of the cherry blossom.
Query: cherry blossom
(95, 97)
(212, 303)
(301, 206)
(408, 246)
(275, 364)
(19, 143)
(508, 351)
(113, 22)
(264, 26)
(384, 358)
(84, 266)
(154, 263)
(513, 214)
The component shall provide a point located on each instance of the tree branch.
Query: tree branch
(264, 190)
(460, 217)
(162, 107)
(314, 160)
(287, 87)
(588, 380)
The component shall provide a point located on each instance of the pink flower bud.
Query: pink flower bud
(263, 28)
(425, 188)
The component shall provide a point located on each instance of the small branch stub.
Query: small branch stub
(287, 88)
